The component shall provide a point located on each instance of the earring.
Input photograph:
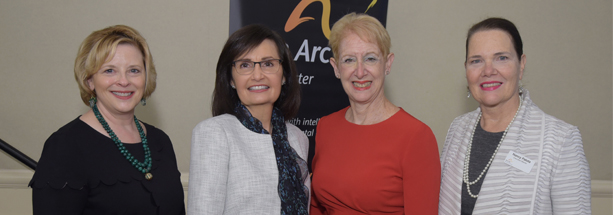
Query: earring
(92, 101)
(283, 83)
(233, 87)
(143, 101)
(521, 87)
(387, 72)
(468, 90)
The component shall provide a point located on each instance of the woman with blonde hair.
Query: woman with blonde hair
(106, 161)
(371, 157)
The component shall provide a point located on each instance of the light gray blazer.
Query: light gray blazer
(558, 183)
(234, 171)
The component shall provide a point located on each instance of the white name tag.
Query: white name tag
(519, 161)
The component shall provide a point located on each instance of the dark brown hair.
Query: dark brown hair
(498, 24)
(225, 99)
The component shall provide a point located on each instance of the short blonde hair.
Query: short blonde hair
(365, 26)
(99, 46)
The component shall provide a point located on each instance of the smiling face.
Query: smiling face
(120, 82)
(361, 68)
(493, 69)
(259, 89)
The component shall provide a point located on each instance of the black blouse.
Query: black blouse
(483, 146)
(82, 172)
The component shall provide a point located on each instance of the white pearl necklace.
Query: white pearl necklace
(467, 156)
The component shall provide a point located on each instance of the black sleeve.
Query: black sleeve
(169, 190)
(58, 185)
(49, 200)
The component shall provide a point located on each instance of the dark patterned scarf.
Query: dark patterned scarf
(292, 169)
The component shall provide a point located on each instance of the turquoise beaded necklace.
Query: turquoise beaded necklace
(145, 166)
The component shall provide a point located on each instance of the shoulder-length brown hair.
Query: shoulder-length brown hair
(225, 99)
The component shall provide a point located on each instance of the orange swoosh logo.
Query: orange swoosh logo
(295, 19)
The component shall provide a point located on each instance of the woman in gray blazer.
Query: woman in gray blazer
(248, 159)
(508, 156)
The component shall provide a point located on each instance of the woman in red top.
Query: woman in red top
(371, 157)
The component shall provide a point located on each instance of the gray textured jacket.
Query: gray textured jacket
(558, 183)
(233, 170)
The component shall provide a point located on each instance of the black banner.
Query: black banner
(305, 26)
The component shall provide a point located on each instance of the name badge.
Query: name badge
(519, 161)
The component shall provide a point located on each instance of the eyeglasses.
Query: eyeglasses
(246, 67)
